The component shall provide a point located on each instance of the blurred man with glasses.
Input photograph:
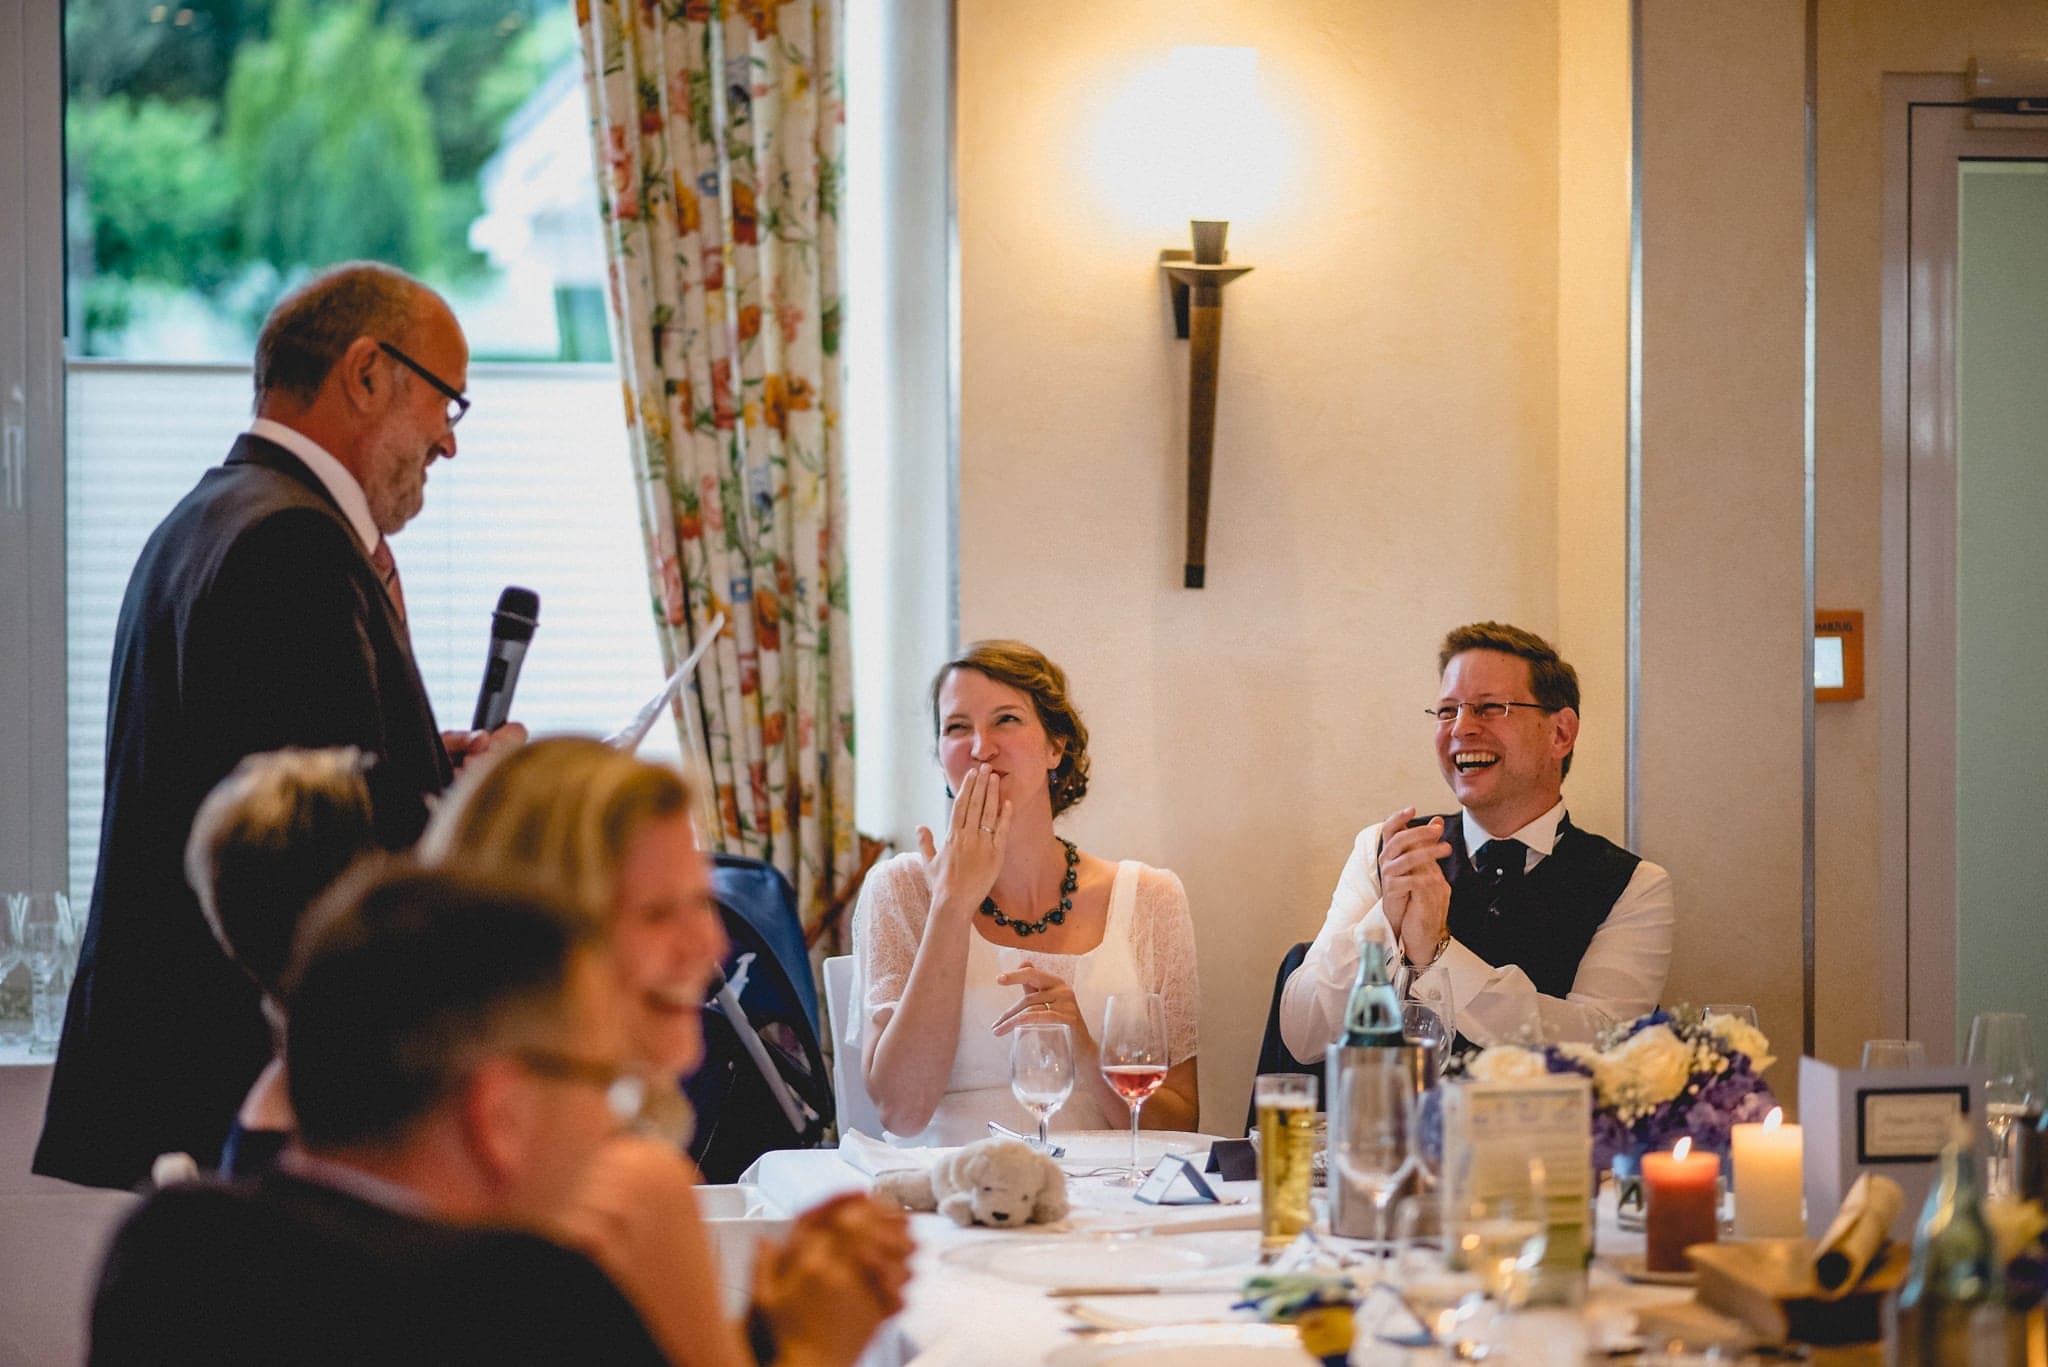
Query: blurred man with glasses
(265, 611)
(461, 1188)
(1504, 917)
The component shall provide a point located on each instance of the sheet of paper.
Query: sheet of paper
(629, 736)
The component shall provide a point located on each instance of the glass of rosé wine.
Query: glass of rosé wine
(1134, 1057)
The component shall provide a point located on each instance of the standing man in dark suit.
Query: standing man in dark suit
(265, 611)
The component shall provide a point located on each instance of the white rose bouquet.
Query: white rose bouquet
(1657, 1079)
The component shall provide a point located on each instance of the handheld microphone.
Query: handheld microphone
(511, 630)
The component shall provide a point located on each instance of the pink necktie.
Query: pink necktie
(387, 570)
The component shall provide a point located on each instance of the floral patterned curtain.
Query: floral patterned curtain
(717, 125)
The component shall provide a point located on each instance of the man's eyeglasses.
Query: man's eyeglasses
(625, 1090)
(457, 404)
(1445, 713)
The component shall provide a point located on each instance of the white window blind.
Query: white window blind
(540, 494)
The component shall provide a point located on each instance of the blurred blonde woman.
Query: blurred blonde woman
(613, 836)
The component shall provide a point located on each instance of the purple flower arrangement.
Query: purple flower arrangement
(1670, 1075)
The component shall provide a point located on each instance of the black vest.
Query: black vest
(1543, 921)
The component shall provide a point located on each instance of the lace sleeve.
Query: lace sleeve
(888, 922)
(1163, 944)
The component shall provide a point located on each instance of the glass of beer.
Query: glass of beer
(1287, 1147)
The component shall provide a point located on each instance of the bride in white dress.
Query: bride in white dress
(999, 922)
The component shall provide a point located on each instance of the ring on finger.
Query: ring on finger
(988, 830)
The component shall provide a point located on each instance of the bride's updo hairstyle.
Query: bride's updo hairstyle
(1028, 670)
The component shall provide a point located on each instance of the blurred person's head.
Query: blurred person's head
(371, 364)
(456, 1034)
(612, 835)
(1004, 704)
(269, 838)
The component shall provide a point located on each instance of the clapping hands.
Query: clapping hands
(1414, 895)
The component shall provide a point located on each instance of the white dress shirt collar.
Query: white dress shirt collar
(352, 1181)
(1539, 835)
(331, 473)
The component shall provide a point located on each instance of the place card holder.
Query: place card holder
(1885, 1120)
(1233, 1160)
(1491, 1130)
(1176, 1182)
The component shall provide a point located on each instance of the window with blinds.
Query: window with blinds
(540, 493)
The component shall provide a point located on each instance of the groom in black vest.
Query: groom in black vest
(1508, 920)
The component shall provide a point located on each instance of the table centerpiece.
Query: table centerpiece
(1672, 1074)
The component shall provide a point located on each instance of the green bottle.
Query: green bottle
(1372, 1014)
(1951, 1311)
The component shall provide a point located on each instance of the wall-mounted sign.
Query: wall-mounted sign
(1837, 655)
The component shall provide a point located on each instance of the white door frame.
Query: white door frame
(1926, 132)
(33, 812)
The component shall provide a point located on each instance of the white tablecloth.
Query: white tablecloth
(962, 1309)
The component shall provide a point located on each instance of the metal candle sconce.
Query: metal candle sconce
(1198, 279)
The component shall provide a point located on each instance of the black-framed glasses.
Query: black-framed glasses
(1445, 713)
(458, 403)
(625, 1090)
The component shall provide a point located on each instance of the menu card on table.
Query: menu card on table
(1891, 1120)
(1491, 1131)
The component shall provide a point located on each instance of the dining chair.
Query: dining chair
(850, 1097)
(1273, 1053)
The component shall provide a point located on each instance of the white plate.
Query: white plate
(1194, 1345)
(1090, 1151)
(1092, 1260)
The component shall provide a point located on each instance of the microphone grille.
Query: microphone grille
(518, 602)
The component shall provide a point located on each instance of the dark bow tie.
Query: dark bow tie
(1502, 861)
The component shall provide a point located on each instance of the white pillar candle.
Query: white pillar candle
(1769, 1179)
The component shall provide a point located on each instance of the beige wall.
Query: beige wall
(1593, 93)
(1418, 425)
(1720, 765)
(1859, 990)
(1386, 442)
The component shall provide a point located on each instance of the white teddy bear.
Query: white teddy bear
(1003, 1183)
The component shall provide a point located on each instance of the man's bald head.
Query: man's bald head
(312, 327)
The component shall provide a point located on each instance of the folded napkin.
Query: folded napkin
(1859, 1233)
(874, 1157)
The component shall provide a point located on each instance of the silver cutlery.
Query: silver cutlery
(1005, 1132)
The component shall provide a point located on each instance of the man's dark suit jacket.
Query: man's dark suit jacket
(286, 1270)
(253, 620)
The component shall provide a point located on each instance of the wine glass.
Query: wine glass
(1134, 1057)
(43, 952)
(2001, 1046)
(1504, 1234)
(1424, 1026)
(1372, 1129)
(14, 1007)
(49, 946)
(1042, 1073)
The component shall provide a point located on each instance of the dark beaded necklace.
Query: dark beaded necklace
(1058, 914)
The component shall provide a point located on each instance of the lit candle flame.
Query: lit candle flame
(1775, 1118)
(1681, 1149)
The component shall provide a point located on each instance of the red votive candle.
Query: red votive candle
(1684, 1199)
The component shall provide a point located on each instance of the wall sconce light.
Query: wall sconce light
(1197, 279)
